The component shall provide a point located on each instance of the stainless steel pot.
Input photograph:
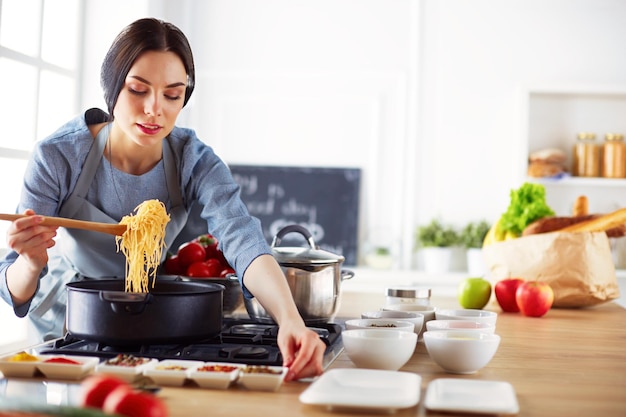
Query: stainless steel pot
(314, 277)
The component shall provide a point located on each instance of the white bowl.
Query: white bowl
(262, 378)
(127, 367)
(427, 311)
(482, 316)
(171, 372)
(416, 318)
(215, 375)
(21, 369)
(463, 325)
(380, 324)
(461, 352)
(375, 349)
(78, 370)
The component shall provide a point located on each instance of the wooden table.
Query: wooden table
(567, 363)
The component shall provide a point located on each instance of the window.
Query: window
(39, 46)
(39, 56)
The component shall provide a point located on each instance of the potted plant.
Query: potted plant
(472, 237)
(435, 241)
(379, 258)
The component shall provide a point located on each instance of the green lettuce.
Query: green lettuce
(528, 203)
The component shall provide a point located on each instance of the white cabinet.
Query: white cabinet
(555, 115)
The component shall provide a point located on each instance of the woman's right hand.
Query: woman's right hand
(31, 240)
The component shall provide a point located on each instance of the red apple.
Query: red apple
(505, 294)
(534, 298)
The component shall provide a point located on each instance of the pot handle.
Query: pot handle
(232, 277)
(346, 274)
(122, 302)
(294, 228)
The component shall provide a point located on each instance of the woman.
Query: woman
(100, 166)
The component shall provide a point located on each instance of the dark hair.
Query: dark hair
(141, 36)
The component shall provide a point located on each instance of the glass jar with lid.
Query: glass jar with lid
(586, 156)
(614, 156)
(408, 295)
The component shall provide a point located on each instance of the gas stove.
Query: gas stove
(240, 341)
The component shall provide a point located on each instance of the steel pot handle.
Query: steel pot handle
(232, 277)
(122, 302)
(294, 228)
(346, 274)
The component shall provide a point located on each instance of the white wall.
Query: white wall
(322, 83)
(478, 59)
(425, 96)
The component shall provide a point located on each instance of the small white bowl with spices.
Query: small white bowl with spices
(215, 375)
(382, 324)
(416, 318)
(124, 366)
(262, 377)
(171, 372)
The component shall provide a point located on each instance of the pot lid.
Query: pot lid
(301, 255)
(305, 256)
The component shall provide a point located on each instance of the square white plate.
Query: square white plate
(215, 375)
(67, 371)
(471, 396)
(364, 389)
(170, 371)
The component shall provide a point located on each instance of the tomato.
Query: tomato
(172, 266)
(215, 266)
(220, 256)
(95, 389)
(189, 253)
(127, 402)
(210, 245)
(199, 269)
(226, 271)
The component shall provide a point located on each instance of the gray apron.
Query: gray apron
(72, 260)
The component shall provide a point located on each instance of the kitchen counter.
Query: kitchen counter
(569, 362)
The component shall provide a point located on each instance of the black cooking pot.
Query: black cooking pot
(172, 312)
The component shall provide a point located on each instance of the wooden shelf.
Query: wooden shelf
(580, 182)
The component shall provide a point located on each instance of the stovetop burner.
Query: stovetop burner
(240, 341)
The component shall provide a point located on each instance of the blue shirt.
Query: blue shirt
(204, 180)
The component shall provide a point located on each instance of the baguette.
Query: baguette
(601, 223)
(554, 223)
(581, 206)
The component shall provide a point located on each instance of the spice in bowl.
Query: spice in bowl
(127, 360)
(23, 357)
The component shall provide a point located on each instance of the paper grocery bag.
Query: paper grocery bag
(578, 266)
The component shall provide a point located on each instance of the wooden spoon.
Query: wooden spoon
(112, 229)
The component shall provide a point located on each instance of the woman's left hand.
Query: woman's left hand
(302, 350)
(301, 347)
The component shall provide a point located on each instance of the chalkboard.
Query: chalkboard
(323, 200)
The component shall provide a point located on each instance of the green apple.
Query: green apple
(474, 293)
